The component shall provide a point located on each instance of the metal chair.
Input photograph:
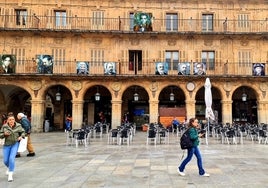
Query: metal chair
(262, 136)
(97, 130)
(124, 134)
(163, 135)
(230, 136)
(80, 137)
(113, 136)
(151, 135)
(69, 137)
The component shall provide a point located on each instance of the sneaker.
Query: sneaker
(180, 173)
(7, 172)
(30, 154)
(205, 175)
(10, 177)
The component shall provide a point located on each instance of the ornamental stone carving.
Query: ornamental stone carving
(227, 86)
(35, 85)
(76, 85)
(263, 86)
(116, 86)
(154, 86)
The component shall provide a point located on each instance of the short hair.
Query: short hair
(21, 114)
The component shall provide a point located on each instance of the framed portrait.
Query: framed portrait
(82, 67)
(258, 69)
(109, 68)
(7, 64)
(142, 22)
(161, 68)
(44, 64)
(199, 68)
(184, 68)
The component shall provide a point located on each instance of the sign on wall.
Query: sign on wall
(7, 64)
(109, 68)
(142, 22)
(161, 68)
(82, 67)
(199, 68)
(258, 69)
(184, 68)
(44, 64)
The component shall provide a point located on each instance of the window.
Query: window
(172, 58)
(207, 22)
(135, 60)
(60, 18)
(21, 17)
(98, 18)
(97, 57)
(244, 59)
(243, 21)
(208, 58)
(171, 22)
(131, 21)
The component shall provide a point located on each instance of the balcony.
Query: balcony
(89, 24)
(148, 68)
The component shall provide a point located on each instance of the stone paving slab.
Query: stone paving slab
(136, 166)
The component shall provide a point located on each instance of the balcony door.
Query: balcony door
(135, 61)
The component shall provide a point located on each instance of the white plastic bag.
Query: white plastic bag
(23, 145)
(2, 141)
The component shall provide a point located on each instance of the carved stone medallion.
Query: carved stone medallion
(76, 85)
(116, 86)
(35, 85)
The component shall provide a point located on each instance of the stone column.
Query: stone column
(116, 113)
(153, 111)
(262, 111)
(77, 114)
(37, 116)
(190, 107)
(227, 114)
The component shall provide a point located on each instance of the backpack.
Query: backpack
(186, 141)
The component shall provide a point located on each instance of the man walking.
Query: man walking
(26, 124)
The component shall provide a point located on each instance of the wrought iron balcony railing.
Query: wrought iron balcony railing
(13, 22)
(148, 68)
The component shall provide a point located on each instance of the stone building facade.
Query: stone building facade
(67, 48)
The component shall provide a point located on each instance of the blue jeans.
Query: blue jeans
(193, 151)
(9, 155)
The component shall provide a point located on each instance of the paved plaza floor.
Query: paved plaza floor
(100, 165)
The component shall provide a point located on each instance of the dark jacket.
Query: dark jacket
(194, 136)
(26, 124)
(16, 132)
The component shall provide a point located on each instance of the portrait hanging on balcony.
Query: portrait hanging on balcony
(8, 64)
(184, 68)
(258, 69)
(142, 22)
(82, 67)
(199, 68)
(44, 64)
(161, 68)
(109, 68)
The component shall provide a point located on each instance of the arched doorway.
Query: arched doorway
(58, 105)
(171, 104)
(200, 106)
(244, 105)
(97, 105)
(135, 106)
